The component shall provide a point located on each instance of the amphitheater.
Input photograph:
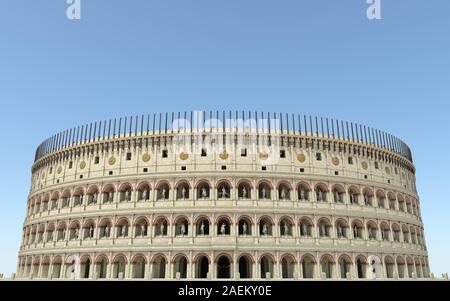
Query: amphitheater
(217, 195)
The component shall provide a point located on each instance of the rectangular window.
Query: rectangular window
(224, 167)
(128, 156)
(70, 165)
(183, 167)
(263, 168)
(165, 153)
(204, 152)
(110, 173)
(350, 160)
(377, 166)
(145, 169)
(302, 170)
(51, 169)
(97, 160)
(243, 152)
(319, 157)
(282, 153)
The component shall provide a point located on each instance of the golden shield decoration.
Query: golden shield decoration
(112, 161)
(335, 161)
(59, 170)
(145, 157)
(387, 170)
(82, 165)
(263, 156)
(184, 156)
(223, 155)
(365, 166)
(301, 158)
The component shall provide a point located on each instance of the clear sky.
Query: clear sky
(314, 56)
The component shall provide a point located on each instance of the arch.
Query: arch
(244, 181)
(181, 223)
(245, 224)
(202, 263)
(224, 266)
(138, 261)
(389, 264)
(286, 225)
(200, 182)
(159, 262)
(288, 266)
(265, 225)
(245, 266)
(224, 181)
(180, 262)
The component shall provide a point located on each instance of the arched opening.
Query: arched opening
(119, 266)
(410, 265)
(45, 267)
(385, 232)
(85, 266)
(303, 192)
(183, 191)
(78, 198)
(105, 229)
(266, 264)
(341, 229)
(202, 267)
(396, 232)
(74, 231)
(203, 190)
(244, 191)
(223, 190)
(161, 226)
(327, 264)
(101, 265)
(321, 193)
(223, 226)
(308, 264)
(141, 226)
(287, 267)
(180, 266)
(389, 266)
(354, 195)
(202, 226)
(284, 192)
(223, 267)
(245, 267)
(108, 194)
(56, 271)
(286, 226)
(122, 228)
(401, 267)
(245, 226)
(265, 227)
(138, 267)
(358, 229)
(368, 197)
(372, 231)
(264, 191)
(159, 267)
(143, 192)
(92, 196)
(392, 200)
(381, 198)
(345, 266)
(181, 227)
(163, 191)
(361, 267)
(306, 227)
(65, 199)
(338, 194)
(89, 229)
(324, 228)
(125, 193)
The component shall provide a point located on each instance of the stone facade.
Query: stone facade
(138, 205)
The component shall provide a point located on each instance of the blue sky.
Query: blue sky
(318, 56)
